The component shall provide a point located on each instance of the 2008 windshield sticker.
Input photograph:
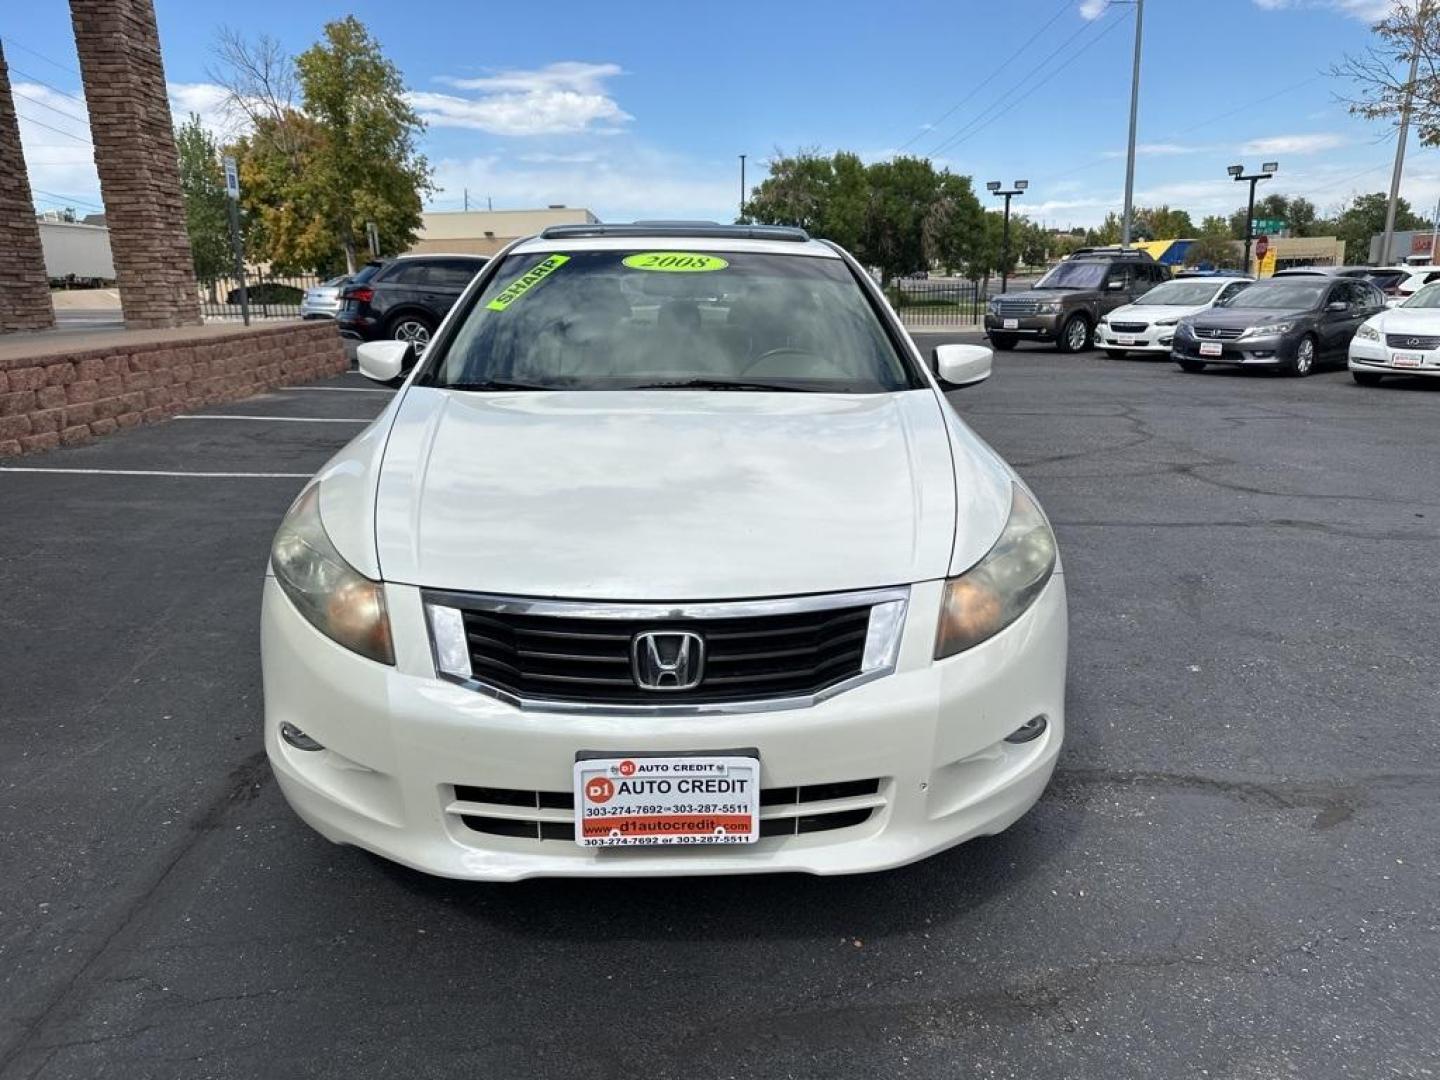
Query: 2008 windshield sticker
(674, 262)
(527, 281)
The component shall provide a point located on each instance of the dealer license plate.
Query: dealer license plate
(651, 799)
(1211, 348)
(1407, 359)
(1012, 324)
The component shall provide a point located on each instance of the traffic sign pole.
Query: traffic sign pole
(232, 196)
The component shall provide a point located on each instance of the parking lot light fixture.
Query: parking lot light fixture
(996, 188)
(1269, 169)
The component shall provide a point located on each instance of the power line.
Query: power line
(10, 41)
(47, 105)
(978, 125)
(48, 86)
(56, 196)
(57, 131)
(1064, 7)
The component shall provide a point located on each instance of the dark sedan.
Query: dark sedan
(1290, 324)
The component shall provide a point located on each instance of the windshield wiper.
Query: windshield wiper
(496, 384)
(716, 384)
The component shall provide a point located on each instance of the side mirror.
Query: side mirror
(962, 365)
(1337, 305)
(382, 361)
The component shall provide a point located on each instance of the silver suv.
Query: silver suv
(1065, 305)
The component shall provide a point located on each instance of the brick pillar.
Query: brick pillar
(24, 288)
(119, 49)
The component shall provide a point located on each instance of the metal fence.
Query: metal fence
(944, 302)
(272, 296)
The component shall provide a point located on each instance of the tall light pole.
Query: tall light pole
(1134, 117)
(1269, 169)
(742, 187)
(1399, 168)
(1018, 189)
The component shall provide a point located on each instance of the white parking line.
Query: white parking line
(341, 389)
(285, 419)
(160, 472)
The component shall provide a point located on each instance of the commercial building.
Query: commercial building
(1409, 245)
(484, 232)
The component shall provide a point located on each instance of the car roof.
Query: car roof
(677, 235)
(414, 255)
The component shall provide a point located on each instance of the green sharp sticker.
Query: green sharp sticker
(527, 281)
(675, 262)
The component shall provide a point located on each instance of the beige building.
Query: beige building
(484, 232)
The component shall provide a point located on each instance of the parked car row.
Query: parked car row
(1293, 322)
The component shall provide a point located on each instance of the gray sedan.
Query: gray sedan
(323, 301)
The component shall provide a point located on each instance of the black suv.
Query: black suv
(1065, 305)
(405, 298)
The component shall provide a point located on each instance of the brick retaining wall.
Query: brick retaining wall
(52, 396)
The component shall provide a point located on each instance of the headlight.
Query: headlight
(1368, 332)
(993, 307)
(338, 600)
(1050, 308)
(1166, 322)
(1271, 330)
(998, 589)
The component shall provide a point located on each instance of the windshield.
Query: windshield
(335, 282)
(366, 272)
(1428, 297)
(1183, 293)
(647, 319)
(1075, 275)
(1290, 294)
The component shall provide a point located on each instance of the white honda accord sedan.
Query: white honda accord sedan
(670, 557)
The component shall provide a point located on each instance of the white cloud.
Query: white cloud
(1158, 150)
(206, 100)
(1294, 144)
(562, 98)
(619, 180)
(1093, 9)
(1367, 10)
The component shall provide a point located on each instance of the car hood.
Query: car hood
(1049, 294)
(1233, 317)
(1418, 321)
(1151, 312)
(674, 495)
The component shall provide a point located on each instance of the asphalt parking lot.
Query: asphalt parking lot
(1233, 875)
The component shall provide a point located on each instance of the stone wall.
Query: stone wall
(66, 397)
(119, 49)
(24, 288)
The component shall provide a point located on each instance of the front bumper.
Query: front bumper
(1153, 339)
(398, 741)
(1036, 327)
(1251, 352)
(1376, 356)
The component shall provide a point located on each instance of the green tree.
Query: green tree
(1214, 247)
(1108, 232)
(1380, 75)
(1364, 218)
(1297, 213)
(827, 197)
(202, 182)
(954, 226)
(1162, 223)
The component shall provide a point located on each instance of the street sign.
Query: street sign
(1267, 226)
(232, 178)
(1262, 245)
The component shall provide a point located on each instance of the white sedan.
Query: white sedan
(1148, 325)
(670, 557)
(1402, 340)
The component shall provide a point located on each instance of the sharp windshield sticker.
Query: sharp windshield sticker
(527, 281)
(674, 262)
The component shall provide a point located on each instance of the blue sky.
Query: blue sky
(640, 109)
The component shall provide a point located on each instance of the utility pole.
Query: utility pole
(1269, 169)
(1134, 117)
(1434, 231)
(1018, 189)
(1389, 240)
(467, 199)
(742, 186)
(232, 197)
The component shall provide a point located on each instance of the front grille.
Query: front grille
(1217, 333)
(1017, 309)
(568, 658)
(1412, 341)
(1129, 327)
(784, 811)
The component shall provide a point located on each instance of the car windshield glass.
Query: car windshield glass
(642, 318)
(366, 272)
(1289, 294)
(1428, 297)
(335, 282)
(1182, 293)
(1075, 275)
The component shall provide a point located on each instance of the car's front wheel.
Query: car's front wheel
(413, 329)
(1194, 367)
(1303, 362)
(1366, 378)
(1003, 342)
(1074, 335)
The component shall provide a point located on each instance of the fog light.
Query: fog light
(1031, 729)
(297, 738)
